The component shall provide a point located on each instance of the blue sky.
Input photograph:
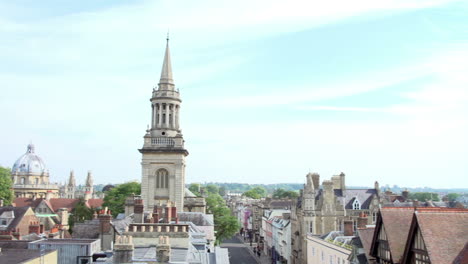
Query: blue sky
(376, 89)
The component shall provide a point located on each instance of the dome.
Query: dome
(29, 163)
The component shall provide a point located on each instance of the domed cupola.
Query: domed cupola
(29, 163)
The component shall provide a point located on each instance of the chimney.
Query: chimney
(342, 181)
(168, 213)
(123, 249)
(348, 227)
(1, 202)
(316, 180)
(105, 221)
(174, 214)
(138, 211)
(63, 216)
(163, 250)
(362, 220)
(48, 195)
(405, 194)
(415, 203)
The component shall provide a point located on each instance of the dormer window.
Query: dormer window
(356, 205)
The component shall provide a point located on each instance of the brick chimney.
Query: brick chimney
(105, 221)
(138, 211)
(123, 249)
(348, 227)
(168, 213)
(163, 250)
(362, 220)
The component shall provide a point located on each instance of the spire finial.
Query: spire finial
(166, 82)
(167, 37)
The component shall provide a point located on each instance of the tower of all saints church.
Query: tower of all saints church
(163, 152)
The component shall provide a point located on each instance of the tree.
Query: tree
(255, 193)
(222, 191)
(79, 214)
(423, 196)
(226, 225)
(211, 188)
(115, 197)
(281, 193)
(195, 189)
(452, 196)
(6, 192)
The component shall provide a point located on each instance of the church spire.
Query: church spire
(166, 82)
(89, 180)
(71, 180)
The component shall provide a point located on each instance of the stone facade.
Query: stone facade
(163, 152)
(31, 178)
(322, 209)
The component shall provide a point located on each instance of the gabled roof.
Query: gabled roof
(56, 203)
(396, 222)
(444, 231)
(366, 235)
(364, 196)
(18, 213)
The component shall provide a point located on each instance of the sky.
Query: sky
(271, 90)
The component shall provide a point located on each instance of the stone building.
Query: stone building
(31, 178)
(72, 191)
(163, 151)
(322, 209)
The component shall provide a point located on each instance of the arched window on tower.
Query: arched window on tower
(23, 180)
(36, 181)
(162, 179)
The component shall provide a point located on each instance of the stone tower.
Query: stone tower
(163, 152)
(88, 190)
(71, 186)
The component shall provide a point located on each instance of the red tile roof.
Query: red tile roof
(21, 202)
(397, 222)
(445, 233)
(57, 203)
(366, 235)
(95, 203)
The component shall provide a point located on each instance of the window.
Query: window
(418, 250)
(313, 251)
(311, 226)
(383, 251)
(37, 181)
(23, 180)
(162, 179)
(4, 222)
(356, 204)
(374, 217)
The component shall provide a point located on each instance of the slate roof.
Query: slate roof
(196, 218)
(396, 222)
(364, 197)
(445, 233)
(88, 229)
(18, 214)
